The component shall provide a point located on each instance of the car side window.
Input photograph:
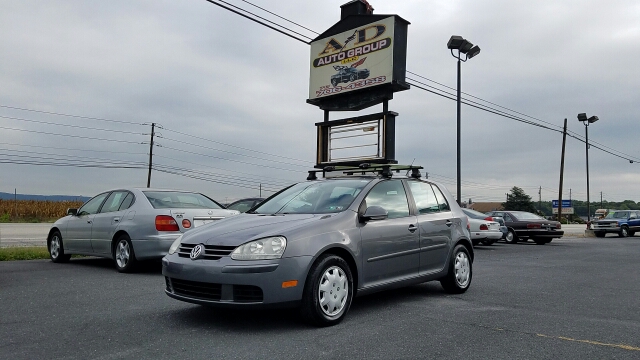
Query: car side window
(507, 217)
(92, 206)
(442, 201)
(389, 195)
(127, 202)
(113, 201)
(424, 197)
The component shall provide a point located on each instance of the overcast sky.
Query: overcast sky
(230, 95)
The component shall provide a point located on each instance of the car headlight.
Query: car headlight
(176, 244)
(267, 248)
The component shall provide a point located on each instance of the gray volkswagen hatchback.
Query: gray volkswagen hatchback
(317, 244)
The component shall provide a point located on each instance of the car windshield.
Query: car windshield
(314, 197)
(474, 214)
(521, 215)
(618, 215)
(178, 199)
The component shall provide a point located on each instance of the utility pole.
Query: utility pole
(153, 128)
(260, 189)
(564, 141)
(601, 207)
(540, 199)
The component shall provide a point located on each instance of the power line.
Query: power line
(73, 136)
(69, 115)
(69, 125)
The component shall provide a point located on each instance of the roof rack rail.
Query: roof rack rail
(384, 170)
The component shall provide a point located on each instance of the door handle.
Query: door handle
(449, 223)
(88, 221)
(116, 219)
(412, 228)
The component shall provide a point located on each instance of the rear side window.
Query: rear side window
(424, 197)
(389, 195)
(113, 201)
(184, 200)
(442, 201)
(126, 203)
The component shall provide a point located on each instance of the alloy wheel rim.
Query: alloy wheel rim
(54, 248)
(462, 269)
(509, 237)
(333, 291)
(122, 253)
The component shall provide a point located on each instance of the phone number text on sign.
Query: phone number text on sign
(328, 90)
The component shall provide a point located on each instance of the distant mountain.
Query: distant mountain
(10, 196)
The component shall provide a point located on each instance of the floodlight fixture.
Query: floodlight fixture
(593, 119)
(455, 42)
(582, 117)
(473, 52)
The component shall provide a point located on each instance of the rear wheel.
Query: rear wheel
(458, 278)
(56, 248)
(328, 291)
(511, 237)
(123, 254)
(624, 232)
(599, 234)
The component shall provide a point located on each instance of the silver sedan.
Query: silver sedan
(133, 224)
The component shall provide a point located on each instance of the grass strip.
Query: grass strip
(23, 253)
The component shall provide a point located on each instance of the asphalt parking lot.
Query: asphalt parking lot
(573, 298)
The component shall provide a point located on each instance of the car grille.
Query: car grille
(211, 252)
(213, 292)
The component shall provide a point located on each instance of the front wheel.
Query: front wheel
(124, 255)
(624, 232)
(460, 272)
(328, 291)
(511, 237)
(56, 248)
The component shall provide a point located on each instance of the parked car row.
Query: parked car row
(314, 245)
(522, 226)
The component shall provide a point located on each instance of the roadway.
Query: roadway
(574, 298)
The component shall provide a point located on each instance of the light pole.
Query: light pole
(586, 121)
(469, 50)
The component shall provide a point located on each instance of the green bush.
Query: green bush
(5, 218)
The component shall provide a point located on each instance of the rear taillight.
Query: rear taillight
(484, 227)
(534, 226)
(488, 218)
(186, 223)
(468, 226)
(166, 223)
(558, 226)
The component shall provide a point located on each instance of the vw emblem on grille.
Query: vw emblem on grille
(196, 252)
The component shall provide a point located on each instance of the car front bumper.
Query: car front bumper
(231, 283)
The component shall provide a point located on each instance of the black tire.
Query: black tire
(334, 82)
(458, 278)
(488, 242)
(56, 248)
(511, 237)
(332, 273)
(547, 241)
(123, 255)
(632, 233)
(539, 241)
(624, 232)
(599, 234)
(353, 77)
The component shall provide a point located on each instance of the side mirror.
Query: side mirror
(374, 213)
(73, 212)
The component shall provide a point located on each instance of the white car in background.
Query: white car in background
(131, 224)
(482, 230)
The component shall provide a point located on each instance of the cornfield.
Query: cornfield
(35, 209)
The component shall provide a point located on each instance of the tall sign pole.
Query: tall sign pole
(564, 141)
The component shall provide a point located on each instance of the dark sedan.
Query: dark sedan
(348, 75)
(524, 225)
